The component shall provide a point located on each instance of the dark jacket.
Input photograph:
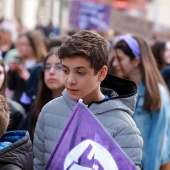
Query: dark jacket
(31, 87)
(16, 151)
(166, 75)
(16, 84)
(17, 115)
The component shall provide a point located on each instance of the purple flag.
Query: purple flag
(85, 145)
(90, 15)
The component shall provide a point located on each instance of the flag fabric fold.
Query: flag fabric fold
(86, 145)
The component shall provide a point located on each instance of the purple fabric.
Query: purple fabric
(25, 99)
(90, 15)
(132, 43)
(1, 55)
(85, 145)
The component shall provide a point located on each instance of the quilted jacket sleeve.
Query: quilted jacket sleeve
(130, 140)
(123, 129)
(38, 144)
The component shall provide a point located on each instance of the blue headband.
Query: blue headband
(132, 43)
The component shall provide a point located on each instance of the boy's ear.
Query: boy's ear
(102, 73)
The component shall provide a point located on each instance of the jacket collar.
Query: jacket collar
(123, 87)
(115, 88)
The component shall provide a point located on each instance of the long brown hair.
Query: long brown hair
(158, 49)
(44, 95)
(37, 41)
(151, 76)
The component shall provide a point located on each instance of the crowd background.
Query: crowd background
(29, 68)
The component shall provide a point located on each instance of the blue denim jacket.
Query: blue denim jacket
(155, 130)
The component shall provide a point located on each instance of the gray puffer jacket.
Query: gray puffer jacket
(115, 114)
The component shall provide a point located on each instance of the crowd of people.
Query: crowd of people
(122, 79)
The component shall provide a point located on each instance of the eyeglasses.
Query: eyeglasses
(57, 67)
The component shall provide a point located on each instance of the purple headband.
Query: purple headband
(1, 55)
(132, 43)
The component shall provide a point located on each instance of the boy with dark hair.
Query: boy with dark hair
(15, 146)
(84, 58)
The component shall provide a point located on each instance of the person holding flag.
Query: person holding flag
(110, 99)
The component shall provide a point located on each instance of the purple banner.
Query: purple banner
(85, 145)
(90, 15)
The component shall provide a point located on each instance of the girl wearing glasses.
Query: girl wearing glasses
(50, 86)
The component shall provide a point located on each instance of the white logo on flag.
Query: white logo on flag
(92, 154)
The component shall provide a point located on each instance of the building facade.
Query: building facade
(32, 12)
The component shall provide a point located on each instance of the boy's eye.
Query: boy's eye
(80, 73)
(65, 71)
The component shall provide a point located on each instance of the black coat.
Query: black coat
(17, 115)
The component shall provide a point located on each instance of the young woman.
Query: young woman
(50, 86)
(152, 113)
(32, 50)
(161, 52)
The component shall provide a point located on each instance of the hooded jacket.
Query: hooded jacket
(115, 114)
(16, 151)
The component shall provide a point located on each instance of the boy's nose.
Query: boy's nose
(71, 79)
